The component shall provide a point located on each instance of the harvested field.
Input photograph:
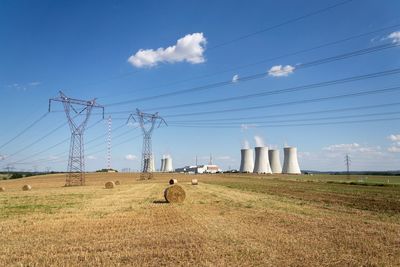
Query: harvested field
(230, 220)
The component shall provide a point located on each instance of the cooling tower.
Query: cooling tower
(290, 163)
(274, 161)
(261, 163)
(162, 165)
(246, 163)
(148, 165)
(152, 166)
(168, 165)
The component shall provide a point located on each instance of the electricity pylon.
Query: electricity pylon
(347, 160)
(147, 122)
(75, 108)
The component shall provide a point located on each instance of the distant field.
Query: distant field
(228, 219)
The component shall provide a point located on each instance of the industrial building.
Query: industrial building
(209, 168)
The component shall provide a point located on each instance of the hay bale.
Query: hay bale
(110, 185)
(195, 182)
(173, 181)
(174, 194)
(117, 182)
(27, 187)
(2, 189)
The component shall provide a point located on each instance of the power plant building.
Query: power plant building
(210, 168)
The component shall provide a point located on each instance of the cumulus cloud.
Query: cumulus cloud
(130, 157)
(395, 37)
(394, 137)
(189, 48)
(235, 78)
(280, 71)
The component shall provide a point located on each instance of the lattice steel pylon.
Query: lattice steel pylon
(73, 109)
(147, 122)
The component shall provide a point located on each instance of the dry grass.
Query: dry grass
(230, 220)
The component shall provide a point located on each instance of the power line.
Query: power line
(25, 130)
(313, 13)
(298, 52)
(256, 76)
(290, 114)
(313, 100)
(286, 90)
(53, 146)
(295, 125)
(291, 120)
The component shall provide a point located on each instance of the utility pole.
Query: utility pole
(73, 109)
(347, 160)
(109, 144)
(148, 122)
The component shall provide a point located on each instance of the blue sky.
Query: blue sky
(83, 47)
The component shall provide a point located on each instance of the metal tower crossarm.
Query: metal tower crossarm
(74, 108)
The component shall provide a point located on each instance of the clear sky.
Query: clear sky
(128, 54)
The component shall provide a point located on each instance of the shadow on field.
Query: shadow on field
(160, 202)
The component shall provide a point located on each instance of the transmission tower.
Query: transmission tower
(147, 122)
(347, 161)
(74, 108)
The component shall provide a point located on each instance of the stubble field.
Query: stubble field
(227, 220)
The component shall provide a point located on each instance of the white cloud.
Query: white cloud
(395, 36)
(280, 71)
(23, 87)
(394, 137)
(394, 149)
(235, 78)
(2, 157)
(91, 157)
(353, 148)
(189, 48)
(130, 157)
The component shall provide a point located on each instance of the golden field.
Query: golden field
(226, 220)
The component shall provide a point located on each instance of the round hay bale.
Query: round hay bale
(2, 189)
(174, 194)
(195, 182)
(117, 182)
(110, 185)
(173, 181)
(27, 187)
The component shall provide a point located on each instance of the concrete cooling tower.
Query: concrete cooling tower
(246, 163)
(162, 165)
(274, 161)
(168, 165)
(149, 165)
(261, 163)
(290, 163)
